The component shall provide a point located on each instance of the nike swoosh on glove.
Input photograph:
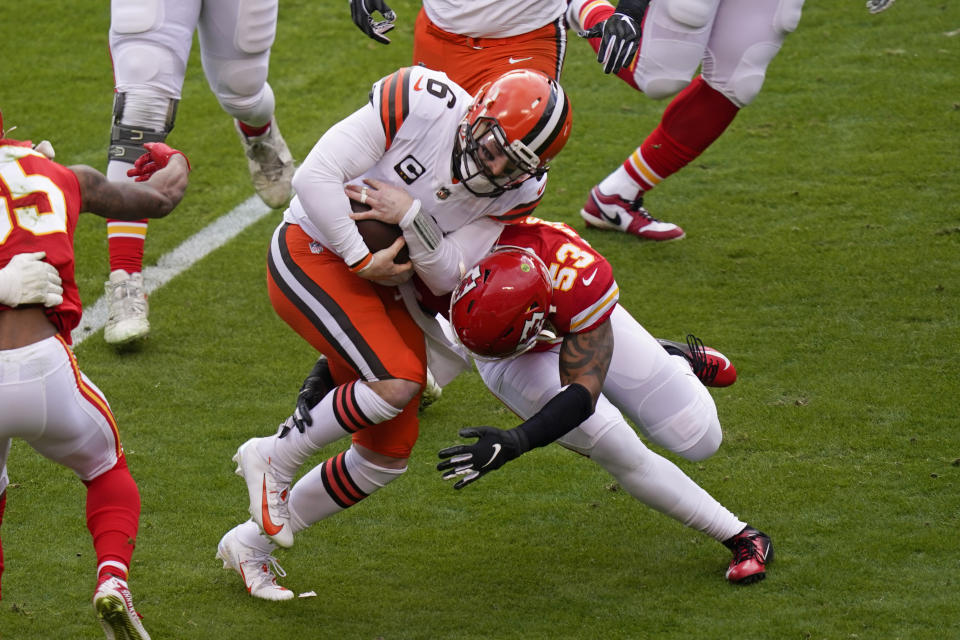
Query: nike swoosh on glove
(493, 449)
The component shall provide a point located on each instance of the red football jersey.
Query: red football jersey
(39, 206)
(584, 290)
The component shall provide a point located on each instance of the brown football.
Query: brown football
(379, 235)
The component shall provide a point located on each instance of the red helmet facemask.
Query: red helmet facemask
(501, 304)
(522, 120)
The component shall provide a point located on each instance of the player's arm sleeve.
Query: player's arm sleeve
(441, 260)
(346, 150)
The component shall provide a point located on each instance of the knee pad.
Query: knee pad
(139, 118)
(788, 15)
(135, 16)
(694, 432)
(692, 13)
(256, 25)
(662, 88)
(747, 79)
(242, 90)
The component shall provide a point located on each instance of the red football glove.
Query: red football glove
(157, 156)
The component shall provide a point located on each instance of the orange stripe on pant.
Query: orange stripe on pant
(472, 62)
(363, 328)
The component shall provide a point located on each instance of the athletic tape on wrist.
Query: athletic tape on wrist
(423, 226)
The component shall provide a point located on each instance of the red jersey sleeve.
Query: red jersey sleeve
(584, 289)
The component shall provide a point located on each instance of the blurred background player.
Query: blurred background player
(731, 41)
(150, 45)
(47, 401)
(450, 170)
(477, 41)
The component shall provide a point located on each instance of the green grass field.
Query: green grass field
(823, 257)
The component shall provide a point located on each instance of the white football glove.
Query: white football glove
(876, 6)
(27, 279)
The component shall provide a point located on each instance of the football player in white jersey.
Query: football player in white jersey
(150, 44)
(450, 170)
(540, 316)
(656, 46)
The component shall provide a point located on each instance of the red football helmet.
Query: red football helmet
(501, 305)
(523, 115)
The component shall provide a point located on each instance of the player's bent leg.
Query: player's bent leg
(248, 552)
(660, 392)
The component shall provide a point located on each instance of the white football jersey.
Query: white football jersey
(404, 136)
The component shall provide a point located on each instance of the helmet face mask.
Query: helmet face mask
(515, 126)
(501, 305)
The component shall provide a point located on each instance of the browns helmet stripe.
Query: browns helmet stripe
(551, 122)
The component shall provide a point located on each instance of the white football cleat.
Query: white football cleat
(114, 606)
(270, 163)
(268, 492)
(254, 567)
(126, 308)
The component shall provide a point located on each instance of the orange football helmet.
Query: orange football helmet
(523, 115)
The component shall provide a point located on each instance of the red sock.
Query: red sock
(125, 242)
(113, 516)
(251, 131)
(692, 121)
(3, 505)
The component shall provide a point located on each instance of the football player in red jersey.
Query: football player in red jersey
(46, 399)
(541, 317)
(449, 169)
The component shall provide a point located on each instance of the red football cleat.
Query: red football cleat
(613, 212)
(712, 367)
(752, 551)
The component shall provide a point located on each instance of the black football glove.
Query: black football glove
(362, 13)
(318, 384)
(493, 449)
(620, 38)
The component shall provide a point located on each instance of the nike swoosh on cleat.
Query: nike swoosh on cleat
(513, 60)
(269, 527)
(496, 452)
(719, 355)
(588, 281)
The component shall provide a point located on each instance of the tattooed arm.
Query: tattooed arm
(584, 361)
(153, 198)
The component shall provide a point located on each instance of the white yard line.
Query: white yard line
(212, 237)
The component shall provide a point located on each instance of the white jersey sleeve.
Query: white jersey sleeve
(320, 205)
